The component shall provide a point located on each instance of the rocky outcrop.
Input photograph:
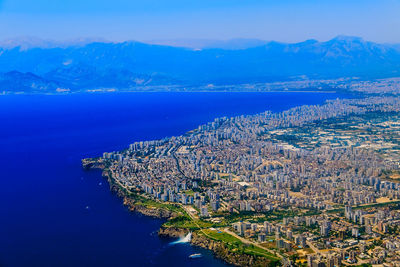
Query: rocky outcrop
(172, 232)
(93, 164)
(222, 252)
(148, 211)
(219, 249)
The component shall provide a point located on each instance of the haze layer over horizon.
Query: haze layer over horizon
(120, 20)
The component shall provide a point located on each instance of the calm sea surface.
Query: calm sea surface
(52, 213)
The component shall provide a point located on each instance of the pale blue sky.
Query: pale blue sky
(282, 20)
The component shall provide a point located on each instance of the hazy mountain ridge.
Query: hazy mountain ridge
(231, 44)
(132, 64)
(18, 81)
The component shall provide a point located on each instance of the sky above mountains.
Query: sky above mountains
(283, 20)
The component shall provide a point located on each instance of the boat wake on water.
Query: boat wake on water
(195, 256)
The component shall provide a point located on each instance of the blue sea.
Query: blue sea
(53, 213)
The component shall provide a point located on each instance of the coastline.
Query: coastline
(7, 93)
(219, 249)
(128, 200)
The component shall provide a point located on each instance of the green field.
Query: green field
(237, 245)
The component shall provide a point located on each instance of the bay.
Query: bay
(53, 213)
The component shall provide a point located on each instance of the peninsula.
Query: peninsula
(312, 185)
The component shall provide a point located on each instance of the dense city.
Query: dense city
(312, 186)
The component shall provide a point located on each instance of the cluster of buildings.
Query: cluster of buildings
(373, 87)
(231, 165)
(231, 158)
(379, 86)
(332, 240)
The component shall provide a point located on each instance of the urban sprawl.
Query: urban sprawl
(312, 186)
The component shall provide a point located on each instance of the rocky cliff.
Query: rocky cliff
(219, 249)
(152, 212)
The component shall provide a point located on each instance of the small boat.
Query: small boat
(194, 256)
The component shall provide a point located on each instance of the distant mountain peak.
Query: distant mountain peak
(310, 41)
(347, 38)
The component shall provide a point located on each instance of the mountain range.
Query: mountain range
(41, 67)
